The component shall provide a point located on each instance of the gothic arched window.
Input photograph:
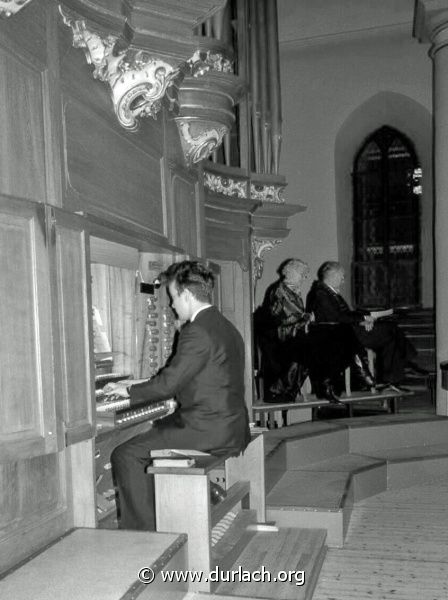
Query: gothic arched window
(386, 233)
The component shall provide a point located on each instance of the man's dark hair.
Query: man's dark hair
(328, 267)
(193, 276)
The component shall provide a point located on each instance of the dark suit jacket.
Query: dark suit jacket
(206, 376)
(328, 306)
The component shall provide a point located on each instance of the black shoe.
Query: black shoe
(364, 381)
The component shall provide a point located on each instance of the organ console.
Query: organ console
(113, 410)
(116, 423)
(124, 416)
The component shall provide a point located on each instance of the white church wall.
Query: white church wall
(323, 85)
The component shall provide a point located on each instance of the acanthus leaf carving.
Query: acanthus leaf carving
(225, 185)
(199, 138)
(8, 8)
(267, 193)
(259, 247)
(138, 81)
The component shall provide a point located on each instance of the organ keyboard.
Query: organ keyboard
(115, 411)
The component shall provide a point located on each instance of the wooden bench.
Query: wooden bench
(276, 412)
(216, 533)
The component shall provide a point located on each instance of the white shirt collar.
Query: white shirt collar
(197, 311)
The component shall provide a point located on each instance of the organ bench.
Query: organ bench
(216, 533)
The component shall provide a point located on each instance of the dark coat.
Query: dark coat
(329, 306)
(283, 311)
(206, 376)
(386, 339)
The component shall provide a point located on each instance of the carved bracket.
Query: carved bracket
(267, 193)
(259, 247)
(11, 7)
(199, 138)
(138, 81)
(225, 185)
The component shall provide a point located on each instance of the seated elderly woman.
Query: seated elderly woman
(292, 346)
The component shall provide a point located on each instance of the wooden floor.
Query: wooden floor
(396, 548)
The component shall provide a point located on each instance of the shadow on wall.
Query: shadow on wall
(415, 121)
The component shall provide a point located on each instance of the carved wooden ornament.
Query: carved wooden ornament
(11, 7)
(259, 247)
(199, 138)
(138, 81)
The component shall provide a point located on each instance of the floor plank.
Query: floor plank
(396, 547)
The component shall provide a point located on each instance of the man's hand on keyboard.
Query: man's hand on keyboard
(117, 389)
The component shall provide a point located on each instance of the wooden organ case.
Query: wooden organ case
(105, 178)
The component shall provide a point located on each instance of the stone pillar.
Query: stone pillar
(431, 25)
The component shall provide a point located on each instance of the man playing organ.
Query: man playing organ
(206, 377)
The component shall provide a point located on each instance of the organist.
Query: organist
(205, 375)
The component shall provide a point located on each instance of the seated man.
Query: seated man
(205, 375)
(393, 350)
(290, 342)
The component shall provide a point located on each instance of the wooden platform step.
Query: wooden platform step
(296, 553)
(322, 494)
(395, 431)
(94, 563)
(315, 479)
(270, 556)
(413, 464)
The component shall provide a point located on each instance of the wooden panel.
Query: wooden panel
(236, 292)
(110, 253)
(250, 466)
(81, 484)
(186, 215)
(226, 242)
(22, 150)
(194, 519)
(228, 290)
(25, 33)
(32, 495)
(74, 318)
(108, 173)
(28, 424)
